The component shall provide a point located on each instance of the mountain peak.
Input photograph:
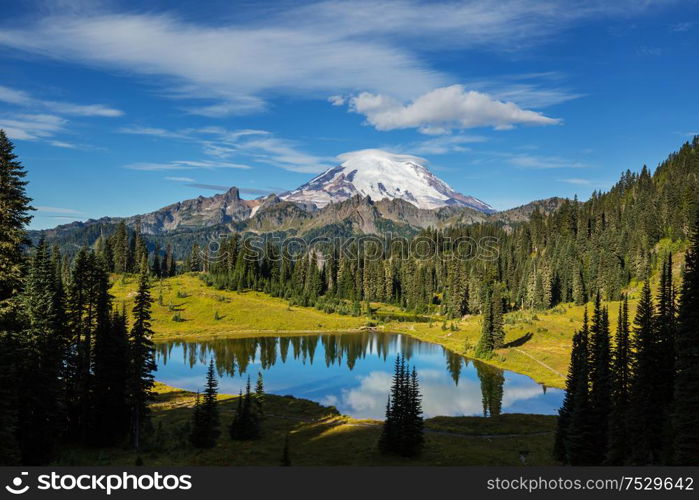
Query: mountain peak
(381, 174)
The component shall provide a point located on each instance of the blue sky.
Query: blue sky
(119, 107)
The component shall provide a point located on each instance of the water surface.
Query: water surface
(353, 372)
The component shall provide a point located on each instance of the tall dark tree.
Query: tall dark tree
(686, 401)
(576, 385)
(580, 433)
(646, 413)
(205, 419)
(666, 325)
(619, 437)
(402, 432)
(246, 423)
(142, 358)
(600, 379)
(14, 216)
(111, 364)
(39, 382)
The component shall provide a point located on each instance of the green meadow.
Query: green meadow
(319, 435)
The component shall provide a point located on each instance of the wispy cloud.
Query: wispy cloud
(180, 179)
(681, 26)
(31, 127)
(31, 119)
(248, 145)
(21, 98)
(536, 162)
(184, 165)
(57, 210)
(444, 144)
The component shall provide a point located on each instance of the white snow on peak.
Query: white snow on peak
(381, 174)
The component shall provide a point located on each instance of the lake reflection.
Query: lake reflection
(353, 372)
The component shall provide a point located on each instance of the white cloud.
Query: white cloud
(24, 99)
(577, 181)
(58, 210)
(543, 162)
(259, 146)
(337, 100)
(445, 144)
(184, 165)
(31, 127)
(443, 109)
(319, 49)
(180, 179)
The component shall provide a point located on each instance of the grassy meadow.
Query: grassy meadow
(319, 435)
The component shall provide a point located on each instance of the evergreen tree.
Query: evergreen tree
(245, 424)
(686, 400)
(14, 216)
(39, 382)
(259, 397)
(645, 417)
(580, 434)
(111, 364)
(619, 438)
(205, 420)
(142, 358)
(600, 380)
(402, 432)
(576, 378)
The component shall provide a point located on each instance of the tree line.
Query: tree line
(71, 367)
(635, 400)
(569, 255)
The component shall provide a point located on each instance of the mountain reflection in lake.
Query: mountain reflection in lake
(353, 372)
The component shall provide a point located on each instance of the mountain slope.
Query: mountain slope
(379, 175)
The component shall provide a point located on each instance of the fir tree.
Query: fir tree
(245, 424)
(259, 397)
(686, 400)
(40, 374)
(579, 436)
(205, 421)
(645, 417)
(142, 357)
(111, 363)
(600, 380)
(402, 432)
(619, 438)
(14, 216)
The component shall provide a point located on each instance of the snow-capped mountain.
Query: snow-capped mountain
(380, 174)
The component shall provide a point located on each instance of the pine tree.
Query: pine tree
(259, 397)
(579, 435)
(111, 363)
(245, 424)
(402, 432)
(39, 381)
(142, 358)
(645, 417)
(14, 216)
(666, 325)
(600, 379)
(619, 438)
(686, 400)
(205, 421)
(575, 378)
